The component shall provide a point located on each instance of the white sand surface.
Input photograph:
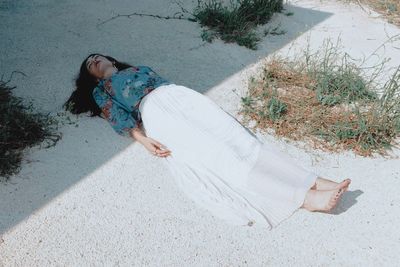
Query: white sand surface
(97, 199)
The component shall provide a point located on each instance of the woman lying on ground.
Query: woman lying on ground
(220, 164)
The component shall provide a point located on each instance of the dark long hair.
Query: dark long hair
(81, 99)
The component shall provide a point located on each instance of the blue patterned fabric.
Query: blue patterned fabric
(119, 95)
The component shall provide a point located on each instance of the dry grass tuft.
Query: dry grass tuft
(290, 97)
(389, 9)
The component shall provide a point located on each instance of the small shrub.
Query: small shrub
(20, 128)
(336, 87)
(237, 22)
(276, 108)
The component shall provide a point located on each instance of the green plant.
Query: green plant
(236, 22)
(276, 108)
(20, 127)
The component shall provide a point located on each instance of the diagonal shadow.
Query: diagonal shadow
(172, 48)
(348, 200)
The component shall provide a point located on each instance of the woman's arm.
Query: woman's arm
(118, 117)
(149, 143)
(138, 135)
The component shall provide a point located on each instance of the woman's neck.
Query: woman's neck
(109, 72)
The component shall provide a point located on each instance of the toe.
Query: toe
(347, 181)
(339, 192)
(344, 184)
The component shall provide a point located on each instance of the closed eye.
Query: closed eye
(91, 61)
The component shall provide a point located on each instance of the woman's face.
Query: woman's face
(99, 66)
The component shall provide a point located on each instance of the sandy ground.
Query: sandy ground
(97, 199)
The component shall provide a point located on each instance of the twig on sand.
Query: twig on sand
(148, 15)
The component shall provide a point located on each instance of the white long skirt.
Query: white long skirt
(220, 164)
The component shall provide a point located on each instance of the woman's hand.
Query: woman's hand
(155, 147)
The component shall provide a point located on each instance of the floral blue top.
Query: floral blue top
(119, 96)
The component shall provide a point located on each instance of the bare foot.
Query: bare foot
(325, 184)
(324, 200)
